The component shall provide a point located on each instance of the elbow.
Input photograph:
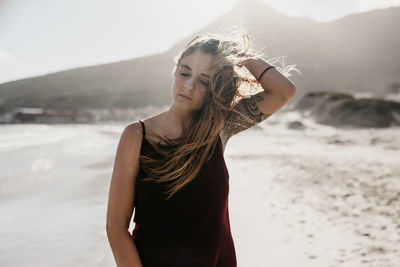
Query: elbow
(112, 227)
(109, 229)
(292, 88)
(293, 91)
(290, 92)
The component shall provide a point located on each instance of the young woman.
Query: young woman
(170, 167)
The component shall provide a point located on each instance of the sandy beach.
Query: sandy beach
(320, 196)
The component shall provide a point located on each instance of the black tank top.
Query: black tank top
(192, 228)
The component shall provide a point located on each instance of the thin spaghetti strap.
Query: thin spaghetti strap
(144, 129)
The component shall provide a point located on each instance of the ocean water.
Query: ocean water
(32, 154)
(54, 182)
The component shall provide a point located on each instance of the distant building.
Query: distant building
(44, 115)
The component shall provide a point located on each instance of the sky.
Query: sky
(38, 37)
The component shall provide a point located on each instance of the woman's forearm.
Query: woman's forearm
(123, 247)
(272, 81)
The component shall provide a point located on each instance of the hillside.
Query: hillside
(356, 53)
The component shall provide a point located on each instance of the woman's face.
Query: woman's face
(192, 80)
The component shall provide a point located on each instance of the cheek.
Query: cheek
(175, 84)
(202, 98)
(178, 82)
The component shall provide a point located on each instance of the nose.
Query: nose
(189, 83)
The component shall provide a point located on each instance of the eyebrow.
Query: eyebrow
(186, 66)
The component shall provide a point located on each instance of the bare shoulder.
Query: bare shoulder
(131, 137)
(134, 129)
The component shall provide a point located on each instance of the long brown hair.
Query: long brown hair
(178, 161)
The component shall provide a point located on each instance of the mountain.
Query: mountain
(356, 53)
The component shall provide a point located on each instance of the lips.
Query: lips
(185, 96)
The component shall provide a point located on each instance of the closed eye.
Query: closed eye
(204, 83)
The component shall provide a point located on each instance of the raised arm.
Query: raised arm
(121, 197)
(278, 90)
